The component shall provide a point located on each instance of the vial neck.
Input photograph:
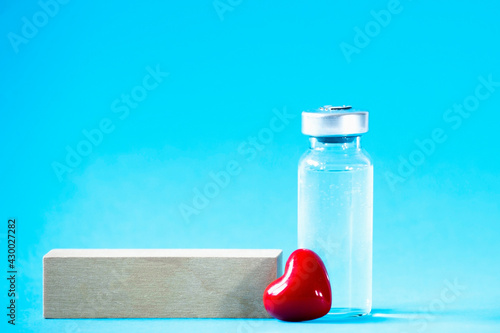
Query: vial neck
(340, 143)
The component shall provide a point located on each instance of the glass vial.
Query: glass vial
(335, 204)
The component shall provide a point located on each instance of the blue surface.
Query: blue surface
(435, 223)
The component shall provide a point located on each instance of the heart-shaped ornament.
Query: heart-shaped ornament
(303, 292)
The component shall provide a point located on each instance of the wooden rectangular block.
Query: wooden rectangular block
(163, 283)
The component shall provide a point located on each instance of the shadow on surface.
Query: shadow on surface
(375, 316)
(410, 316)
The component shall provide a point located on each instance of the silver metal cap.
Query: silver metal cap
(334, 121)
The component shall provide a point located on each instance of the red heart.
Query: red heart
(303, 292)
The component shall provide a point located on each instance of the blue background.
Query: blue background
(436, 223)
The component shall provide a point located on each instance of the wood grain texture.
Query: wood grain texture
(163, 283)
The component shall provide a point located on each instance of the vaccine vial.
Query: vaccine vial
(335, 204)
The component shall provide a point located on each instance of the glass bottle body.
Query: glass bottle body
(335, 218)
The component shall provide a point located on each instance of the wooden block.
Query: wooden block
(163, 283)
